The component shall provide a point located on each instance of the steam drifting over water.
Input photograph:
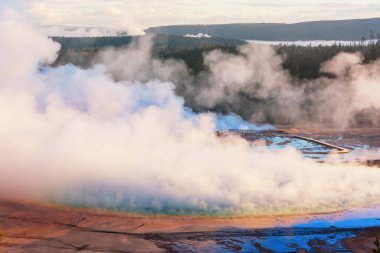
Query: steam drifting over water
(79, 137)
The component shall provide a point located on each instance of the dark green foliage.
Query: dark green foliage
(302, 62)
(377, 245)
(316, 30)
(82, 51)
(305, 62)
(86, 43)
(192, 57)
(160, 41)
(176, 43)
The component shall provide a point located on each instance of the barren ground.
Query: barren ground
(35, 227)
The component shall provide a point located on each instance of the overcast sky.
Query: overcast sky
(147, 13)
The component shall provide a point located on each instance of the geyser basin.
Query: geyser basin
(157, 197)
(83, 137)
(23, 222)
(280, 139)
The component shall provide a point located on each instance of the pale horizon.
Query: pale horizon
(151, 13)
(180, 24)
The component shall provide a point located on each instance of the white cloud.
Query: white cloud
(154, 13)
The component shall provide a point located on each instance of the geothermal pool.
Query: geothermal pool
(44, 227)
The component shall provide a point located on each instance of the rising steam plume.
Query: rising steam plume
(80, 137)
(253, 84)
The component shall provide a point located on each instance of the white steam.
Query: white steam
(253, 84)
(79, 137)
(351, 98)
(127, 23)
(198, 35)
(136, 63)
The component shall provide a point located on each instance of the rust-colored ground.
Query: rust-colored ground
(42, 228)
(33, 227)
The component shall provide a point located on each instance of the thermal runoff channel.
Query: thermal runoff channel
(79, 137)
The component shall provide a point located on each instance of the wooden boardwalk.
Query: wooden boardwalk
(262, 134)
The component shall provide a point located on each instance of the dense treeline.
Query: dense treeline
(81, 51)
(86, 43)
(348, 30)
(192, 57)
(159, 41)
(305, 62)
(302, 62)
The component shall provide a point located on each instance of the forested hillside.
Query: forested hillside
(81, 50)
(160, 41)
(316, 30)
(301, 62)
(305, 62)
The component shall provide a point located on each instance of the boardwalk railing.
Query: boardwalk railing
(278, 133)
(253, 133)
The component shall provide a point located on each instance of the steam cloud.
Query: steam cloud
(79, 137)
(351, 98)
(254, 85)
(198, 35)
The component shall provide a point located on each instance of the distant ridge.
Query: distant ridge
(350, 30)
